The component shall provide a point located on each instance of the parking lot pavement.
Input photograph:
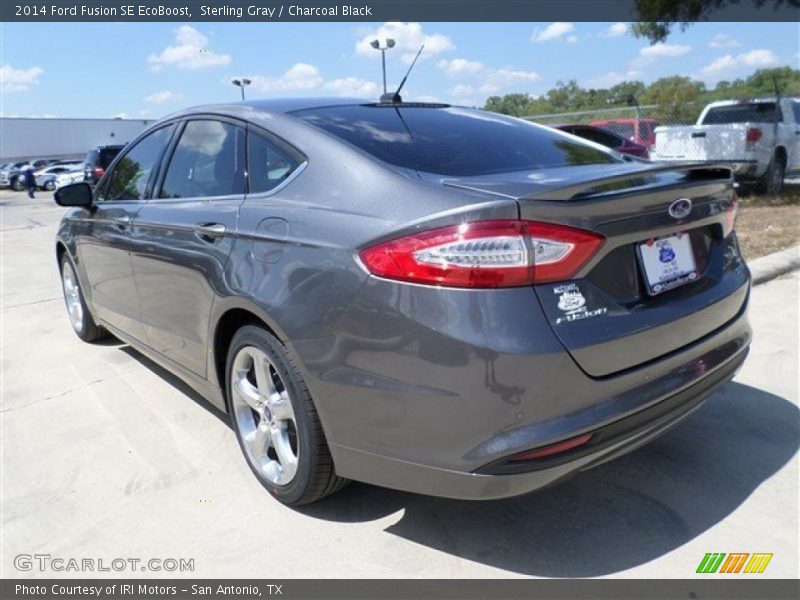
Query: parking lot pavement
(105, 455)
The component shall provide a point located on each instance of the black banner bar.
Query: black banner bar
(744, 588)
(366, 10)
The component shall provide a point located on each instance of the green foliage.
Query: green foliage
(658, 17)
(680, 98)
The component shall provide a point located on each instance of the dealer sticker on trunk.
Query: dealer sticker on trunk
(573, 304)
(668, 262)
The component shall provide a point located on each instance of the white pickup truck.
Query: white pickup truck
(759, 138)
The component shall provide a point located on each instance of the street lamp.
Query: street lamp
(241, 84)
(377, 45)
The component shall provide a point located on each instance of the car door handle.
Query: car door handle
(210, 230)
(699, 134)
(122, 221)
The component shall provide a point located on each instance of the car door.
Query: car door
(104, 249)
(793, 137)
(183, 235)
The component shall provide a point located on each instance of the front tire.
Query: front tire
(275, 420)
(83, 324)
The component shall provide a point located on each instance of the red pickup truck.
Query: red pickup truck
(645, 135)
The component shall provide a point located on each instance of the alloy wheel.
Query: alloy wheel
(264, 416)
(72, 296)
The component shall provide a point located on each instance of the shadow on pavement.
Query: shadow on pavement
(614, 517)
(176, 382)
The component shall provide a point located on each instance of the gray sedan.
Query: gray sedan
(419, 296)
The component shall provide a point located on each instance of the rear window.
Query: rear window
(107, 155)
(623, 129)
(91, 157)
(753, 112)
(451, 141)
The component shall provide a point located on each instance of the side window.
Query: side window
(208, 161)
(796, 111)
(269, 163)
(131, 174)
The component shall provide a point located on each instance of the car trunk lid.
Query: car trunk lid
(608, 317)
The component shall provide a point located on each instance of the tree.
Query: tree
(658, 17)
(677, 97)
(517, 105)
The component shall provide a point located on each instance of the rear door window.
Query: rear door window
(451, 141)
(208, 161)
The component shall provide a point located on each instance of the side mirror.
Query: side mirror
(74, 194)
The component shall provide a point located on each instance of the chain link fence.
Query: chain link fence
(636, 123)
(749, 133)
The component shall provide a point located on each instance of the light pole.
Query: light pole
(377, 45)
(241, 84)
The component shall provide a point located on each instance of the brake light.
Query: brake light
(752, 136)
(484, 254)
(99, 171)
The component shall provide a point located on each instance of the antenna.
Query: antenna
(394, 97)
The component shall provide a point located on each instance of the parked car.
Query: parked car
(643, 134)
(97, 161)
(9, 177)
(423, 297)
(607, 139)
(47, 174)
(58, 180)
(759, 138)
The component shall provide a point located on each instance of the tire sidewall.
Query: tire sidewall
(251, 335)
(776, 170)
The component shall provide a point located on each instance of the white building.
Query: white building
(22, 138)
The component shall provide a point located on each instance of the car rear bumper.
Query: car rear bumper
(444, 386)
(613, 440)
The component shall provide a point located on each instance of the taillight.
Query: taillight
(484, 254)
(99, 171)
(752, 136)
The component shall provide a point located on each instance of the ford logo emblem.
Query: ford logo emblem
(680, 209)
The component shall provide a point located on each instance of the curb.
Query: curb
(773, 265)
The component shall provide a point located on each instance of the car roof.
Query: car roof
(273, 106)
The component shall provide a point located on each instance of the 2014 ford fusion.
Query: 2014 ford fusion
(419, 296)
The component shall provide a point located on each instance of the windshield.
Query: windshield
(454, 142)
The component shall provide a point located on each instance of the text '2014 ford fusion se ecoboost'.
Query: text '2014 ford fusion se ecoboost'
(419, 296)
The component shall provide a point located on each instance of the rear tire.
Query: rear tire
(83, 324)
(772, 181)
(275, 420)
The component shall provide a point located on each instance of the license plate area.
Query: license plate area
(667, 262)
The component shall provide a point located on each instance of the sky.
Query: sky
(147, 70)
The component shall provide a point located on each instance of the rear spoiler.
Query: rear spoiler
(693, 170)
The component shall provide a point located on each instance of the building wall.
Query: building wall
(21, 139)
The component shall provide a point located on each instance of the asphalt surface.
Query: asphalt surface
(105, 455)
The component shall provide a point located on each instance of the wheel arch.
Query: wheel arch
(230, 319)
(782, 154)
(61, 249)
